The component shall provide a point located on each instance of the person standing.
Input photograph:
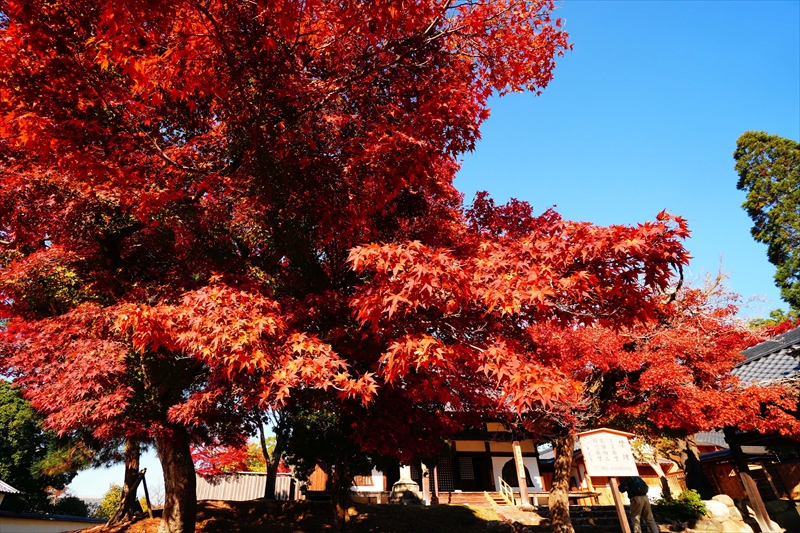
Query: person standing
(640, 505)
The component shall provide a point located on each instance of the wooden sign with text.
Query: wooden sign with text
(607, 452)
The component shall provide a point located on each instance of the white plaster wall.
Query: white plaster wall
(377, 483)
(535, 483)
(28, 525)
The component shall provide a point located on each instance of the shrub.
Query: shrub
(71, 506)
(686, 507)
(110, 502)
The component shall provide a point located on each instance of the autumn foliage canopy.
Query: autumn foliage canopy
(206, 206)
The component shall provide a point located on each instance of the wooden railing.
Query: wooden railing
(506, 492)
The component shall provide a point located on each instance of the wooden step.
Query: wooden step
(478, 499)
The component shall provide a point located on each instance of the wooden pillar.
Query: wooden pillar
(435, 498)
(621, 514)
(426, 484)
(590, 486)
(780, 492)
(523, 481)
(750, 487)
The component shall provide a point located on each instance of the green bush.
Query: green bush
(686, 507)
(110, 502)
(71, 506)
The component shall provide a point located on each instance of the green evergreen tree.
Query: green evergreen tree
(769, 171)
(24, 446)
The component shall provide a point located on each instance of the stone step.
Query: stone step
(545, 528)
(578, 510)
(597, 519)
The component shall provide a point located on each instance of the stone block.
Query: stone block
(705, 526)
(717, 510)
(733, 526)
(735, 514)
(724, 498)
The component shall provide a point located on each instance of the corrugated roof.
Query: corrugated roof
(5, 488)
(233, 488)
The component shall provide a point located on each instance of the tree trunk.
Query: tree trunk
(695, 477)
(564, 448)
(666, 494)
(180, 490)
(127, 503)
(272, 465)
(340, 495)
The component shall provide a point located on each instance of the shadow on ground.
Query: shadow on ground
(263, 516)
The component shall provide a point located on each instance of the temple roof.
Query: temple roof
(773, 360)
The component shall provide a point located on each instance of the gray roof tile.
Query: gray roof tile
(771, 367)
(772, 360)
(716, 438)
(774, 344)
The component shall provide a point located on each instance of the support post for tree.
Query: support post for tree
(623, 516)
(146, 494)
(523, 482)
(750, 487)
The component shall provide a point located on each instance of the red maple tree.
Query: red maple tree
(575, 325)
(180, 184)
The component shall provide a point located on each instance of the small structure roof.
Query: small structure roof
(5, 488)
(751, 453)
(711, 438)
(605, 430)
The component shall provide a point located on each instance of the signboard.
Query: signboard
(518, 459)
(607, 452)
(523, 483)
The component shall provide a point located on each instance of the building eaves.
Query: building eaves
(5, 488)
(777, 343)
(775, 366)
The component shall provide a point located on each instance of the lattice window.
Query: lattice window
(363, 481)
(416, 474)
(465, 468)
(445, 474)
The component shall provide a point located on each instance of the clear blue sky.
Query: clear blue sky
(643, 115)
